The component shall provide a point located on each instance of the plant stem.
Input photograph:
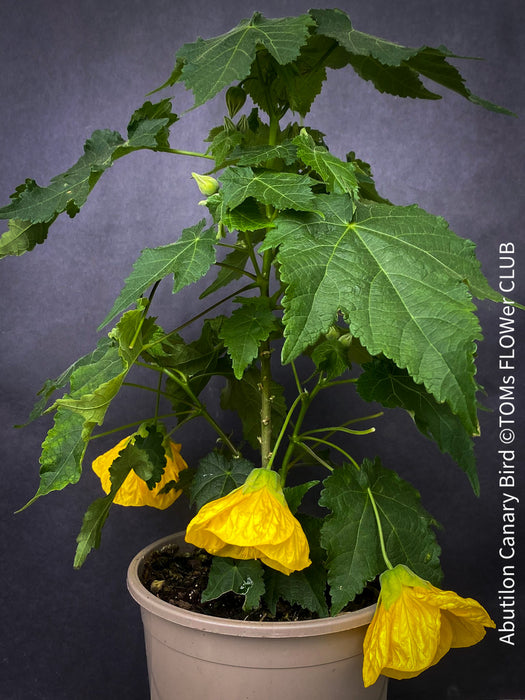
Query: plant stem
(265, 355)
(379, 529)
(265, 351)
(200, 315)
(200, 409)
(180, 152)
(331, 445)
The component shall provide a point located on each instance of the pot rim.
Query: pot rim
(221, 625)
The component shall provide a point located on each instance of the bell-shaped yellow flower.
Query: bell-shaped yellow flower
(134, 491)
(415, 624)
(252, 522)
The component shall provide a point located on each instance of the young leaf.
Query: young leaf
(397, 274)
(258, 155)
(382, 381)
(149, 458)
(340, 177)
(243, 577)
(212, 64)
(350, 535)
(245, 330)
(280, 190)
(188, 259)
(216, 476)
(149, 126)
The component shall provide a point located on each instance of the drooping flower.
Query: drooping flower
(415, 624)
(134, 491)
(252, 522)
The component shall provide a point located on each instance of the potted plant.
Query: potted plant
(317, 284)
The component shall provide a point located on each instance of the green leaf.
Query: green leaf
(397, 274)
(244, 397)
(295, 494)
(216, 476)
(62, 454)
(248, 216)
(350, 535)
(259, 155)
(243, 577)
(393, 68)
(198, 361)
(340, 177)
(246, 329)
(306, 588)
(149, 126)
(52, 385)
(149, 456)
(94, 385)
(33, 208)
(280, 190)
(97, 513)
(232, 269)
(382, 381)
(294, 85)
(331, 357)
(188, 259)
(22, 236)
(212, 64)
(68, 191)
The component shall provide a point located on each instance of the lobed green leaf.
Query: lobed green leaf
(397, 274)
(244, 331)
(243, 577)
(350, 534)
(216, 476)
(382, 381)
(210, 65)
(188, 259)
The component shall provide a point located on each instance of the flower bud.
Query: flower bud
(242, 124)
(229, 126)
(235, 99)
(207, 185)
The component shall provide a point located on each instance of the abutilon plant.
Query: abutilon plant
(376, 299)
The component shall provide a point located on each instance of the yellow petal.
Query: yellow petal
(415, 625)
(134, 491)
(252, 522)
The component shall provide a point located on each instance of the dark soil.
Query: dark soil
(179, 578)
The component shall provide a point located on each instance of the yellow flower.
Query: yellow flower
(134, 491)
(415, 624)
(252, 522)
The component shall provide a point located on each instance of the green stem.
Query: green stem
(201, 409)
(200, 315)
(315, 456)
(180, 152)
(380, 530)
(283, 430)
(129, 425)
(331, 445)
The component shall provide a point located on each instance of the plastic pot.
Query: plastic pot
(192, 656)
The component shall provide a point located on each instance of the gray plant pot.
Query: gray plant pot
(199, 657)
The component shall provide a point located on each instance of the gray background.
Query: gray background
(71, 67)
